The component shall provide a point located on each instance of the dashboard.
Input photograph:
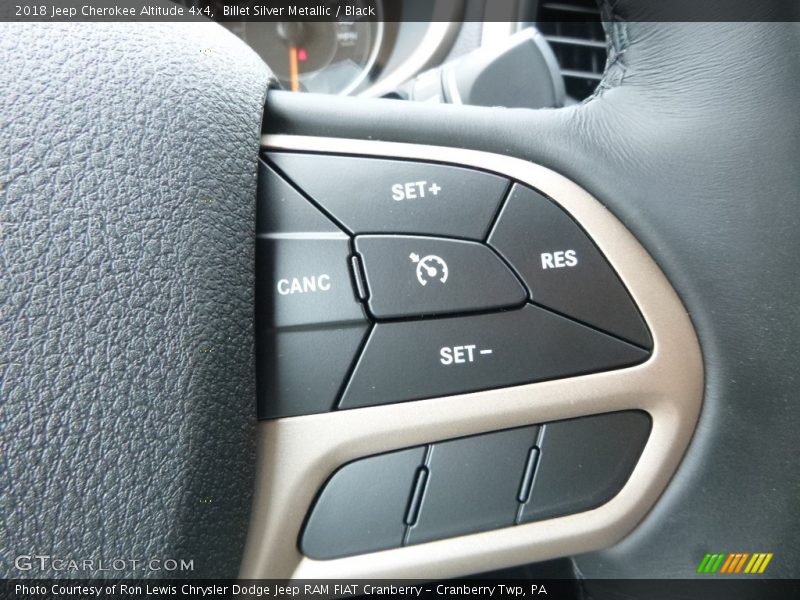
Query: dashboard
(331, 57)
(358, 55)
(374, 56)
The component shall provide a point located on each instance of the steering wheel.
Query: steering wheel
(129, 385)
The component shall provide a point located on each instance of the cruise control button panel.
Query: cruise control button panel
(491, 377)
(381, 281)
(411, 276)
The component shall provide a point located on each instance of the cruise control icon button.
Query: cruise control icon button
(410, 276)
(430, 267)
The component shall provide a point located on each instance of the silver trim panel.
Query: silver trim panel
(298, 454)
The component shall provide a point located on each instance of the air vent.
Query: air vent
(575, 32)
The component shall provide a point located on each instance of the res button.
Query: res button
(562, 267)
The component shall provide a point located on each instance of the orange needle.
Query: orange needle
(294, 76)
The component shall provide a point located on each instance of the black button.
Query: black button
(300, 371)
(408, 276)
(309, 323)
(362, 507)
(562, 267)
(306, 281)
(583, 463)
(473, 484)
(282, 209)
(302, 260)
(422, 359)
(370, 195)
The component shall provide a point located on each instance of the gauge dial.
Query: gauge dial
(326, 57)
(430, 268)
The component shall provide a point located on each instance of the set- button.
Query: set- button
(440, 357)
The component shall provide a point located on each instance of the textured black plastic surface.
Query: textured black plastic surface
(305, 281)
(309, 323)
(281, 208)
(473, 484)
(413, 276)
(362, 507)
(423, 359)
(301, 370)
(583, 463)
(562, 267)
(371, 195)
(129, 187)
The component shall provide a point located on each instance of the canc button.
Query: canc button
(302, 261)
(310, 324)
(371, 195)
(308, 321)
(309, 281)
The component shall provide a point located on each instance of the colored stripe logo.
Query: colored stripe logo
(735, 563)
